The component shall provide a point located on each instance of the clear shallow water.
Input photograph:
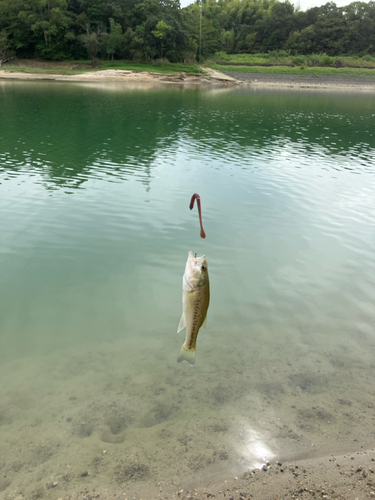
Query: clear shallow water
(94, 234)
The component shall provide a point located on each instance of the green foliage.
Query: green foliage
(204, 31)
(5, 52)
(278, 58)
(46, 22)
(297, 70)
(145, 30)
(161, 31)
(368, 58)
(115, 38)
(326, 60)
(94, 40)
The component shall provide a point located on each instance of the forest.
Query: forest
(146, 30)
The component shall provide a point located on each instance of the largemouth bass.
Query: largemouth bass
(195, 301)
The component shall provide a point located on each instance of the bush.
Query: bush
(221, 56)
(368, 58)
(279, 56)
(298, 60)
(161, 62)
(326, 60)
(340, 63)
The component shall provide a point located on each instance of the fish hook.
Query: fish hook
(198, 198)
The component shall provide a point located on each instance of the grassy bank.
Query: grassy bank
(78, 67)
(296, 70)
(245, 63)
(281, 62)
(282, 57)
(155, 66)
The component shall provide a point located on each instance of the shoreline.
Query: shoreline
(349, 476)
(332, 82)
(118, 75)
(212, 77)
(340, 476)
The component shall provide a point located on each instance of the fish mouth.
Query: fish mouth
(195, 258)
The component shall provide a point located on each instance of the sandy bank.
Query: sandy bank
(333, 82)
(339, 82)
(117, 75)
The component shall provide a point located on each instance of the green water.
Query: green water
(95, 229)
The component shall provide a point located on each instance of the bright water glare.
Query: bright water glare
(95, 229)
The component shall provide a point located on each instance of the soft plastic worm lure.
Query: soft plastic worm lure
(198, 198)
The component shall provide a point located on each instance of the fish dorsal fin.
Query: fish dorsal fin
(182, 323)
(204, 322)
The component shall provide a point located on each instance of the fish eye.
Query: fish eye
(204, 268)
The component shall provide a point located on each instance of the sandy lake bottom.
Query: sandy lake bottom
(127, 418)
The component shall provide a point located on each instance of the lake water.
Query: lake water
(95, 229)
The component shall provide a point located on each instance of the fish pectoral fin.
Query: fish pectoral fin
(204, 322)
(182, 323)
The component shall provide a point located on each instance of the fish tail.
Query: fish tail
(187, 354)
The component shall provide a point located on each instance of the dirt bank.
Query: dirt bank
(118, 75)
(342, 82)
(339, 82)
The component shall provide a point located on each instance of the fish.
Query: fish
(195, 302)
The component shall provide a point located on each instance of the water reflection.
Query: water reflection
(83, 131)
(255, 451)
(77, 136)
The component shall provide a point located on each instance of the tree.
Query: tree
(136, 43)
(360, 21)
(115, 38)
(278, 26)
(228, 40)
(5, 52)
(331, 30)
(211, 40)
(146, 29)
(48, 20)
(161, 31)
(94, 41)
(302, 42)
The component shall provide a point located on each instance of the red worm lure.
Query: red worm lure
(198, 198)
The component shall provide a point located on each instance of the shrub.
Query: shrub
(340, 63)
(161, 62)
(326, 60)
(298, 60)
(368, 58)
